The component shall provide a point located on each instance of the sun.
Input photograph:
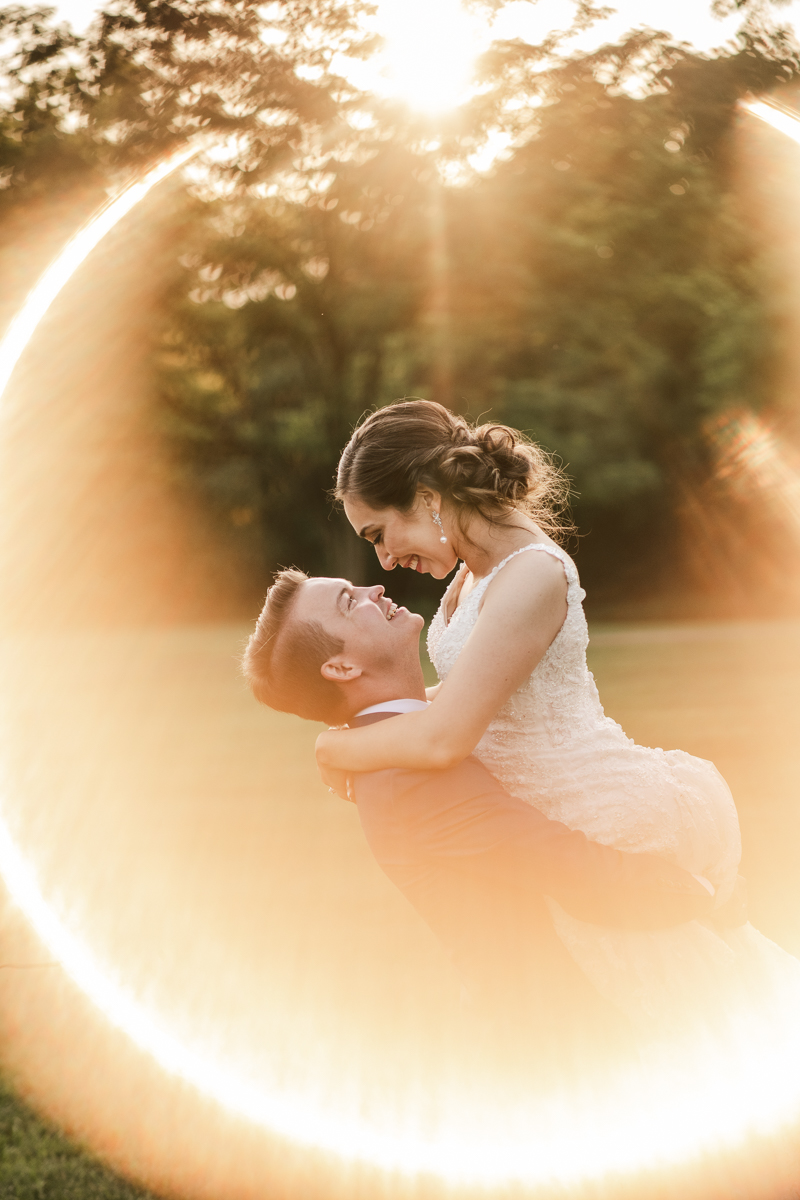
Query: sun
(429, 53)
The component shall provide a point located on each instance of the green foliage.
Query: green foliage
(38, 150)
(598, 287)
(280, 328)
(624, 304)
(37, 1163)
(150, 75)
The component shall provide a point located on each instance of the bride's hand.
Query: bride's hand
(734, 911)
(335, 780)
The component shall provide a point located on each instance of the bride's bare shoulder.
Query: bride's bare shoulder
(530, 577)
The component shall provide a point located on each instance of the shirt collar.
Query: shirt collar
(395, 706)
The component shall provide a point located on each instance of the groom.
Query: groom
(475, 862)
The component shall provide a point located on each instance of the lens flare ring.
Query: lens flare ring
(564, 1138)
(780, 117)
(23, 326)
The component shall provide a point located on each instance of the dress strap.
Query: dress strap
(570, 569)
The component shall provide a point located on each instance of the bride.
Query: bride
(509, 646)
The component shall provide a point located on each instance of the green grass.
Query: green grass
(39, 1163)
(183, 773)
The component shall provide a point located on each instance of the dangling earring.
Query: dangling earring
(437, 520)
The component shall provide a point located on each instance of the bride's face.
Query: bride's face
(407, 539)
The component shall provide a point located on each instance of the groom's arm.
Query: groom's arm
(463, 816)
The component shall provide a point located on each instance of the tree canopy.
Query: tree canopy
(597, 284)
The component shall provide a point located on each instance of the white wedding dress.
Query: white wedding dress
(553, 746)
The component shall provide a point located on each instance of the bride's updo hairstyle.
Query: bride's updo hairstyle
(488, 469)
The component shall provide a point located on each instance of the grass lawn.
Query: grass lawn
(39, 1163)
(190, 834)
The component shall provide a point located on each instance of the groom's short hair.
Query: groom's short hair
(283, 657)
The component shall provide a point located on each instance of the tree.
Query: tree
(625, 304)
(597, 286)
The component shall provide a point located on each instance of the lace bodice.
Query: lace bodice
(553, 746)
(560, 697)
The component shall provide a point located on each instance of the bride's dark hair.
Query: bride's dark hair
(491, 469)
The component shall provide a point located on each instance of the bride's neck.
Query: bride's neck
(484, 544)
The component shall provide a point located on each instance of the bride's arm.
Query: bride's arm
(523, 610)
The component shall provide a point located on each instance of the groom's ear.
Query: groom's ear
(339, 670)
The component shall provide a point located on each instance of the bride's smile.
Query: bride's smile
(409, 539)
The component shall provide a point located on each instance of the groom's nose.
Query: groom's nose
(375, 593)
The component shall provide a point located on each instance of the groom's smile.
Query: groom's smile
(374, 642)
(364, 618)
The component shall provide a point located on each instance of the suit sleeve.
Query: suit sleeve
(463, 815)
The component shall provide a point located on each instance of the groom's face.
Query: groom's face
(376, 632)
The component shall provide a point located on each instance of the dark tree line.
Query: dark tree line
(598, 286)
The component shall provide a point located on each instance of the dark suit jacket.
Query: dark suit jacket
(476, 863)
